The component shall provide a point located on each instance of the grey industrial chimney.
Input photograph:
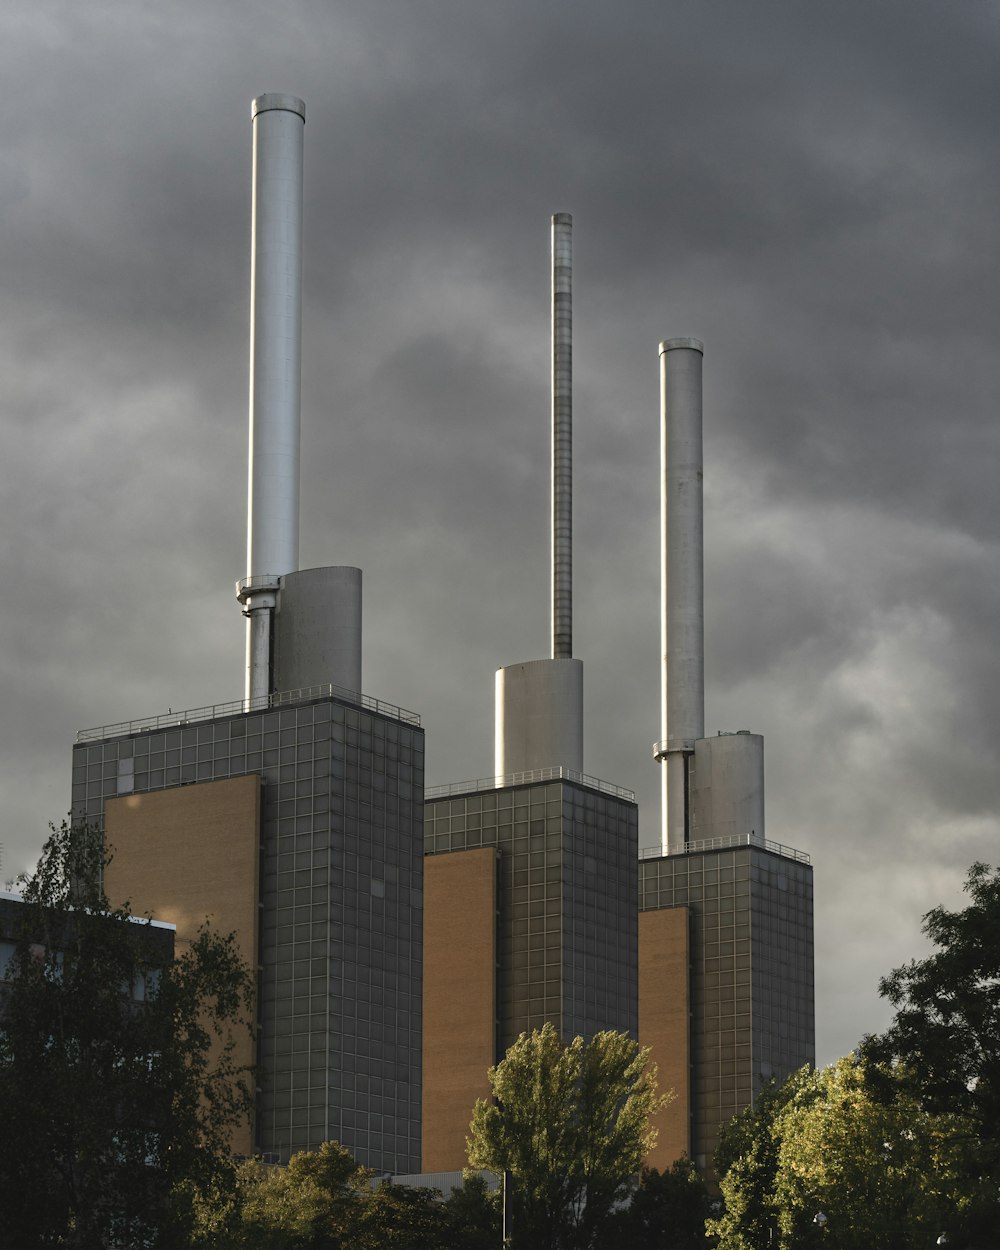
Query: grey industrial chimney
(539, 704)
(303, 625)
(710, 788)
(682, 597)
(562, 436)
(275, 370)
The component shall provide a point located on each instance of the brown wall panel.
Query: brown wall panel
(188, 855)
(664, 1023)
(459, 1016)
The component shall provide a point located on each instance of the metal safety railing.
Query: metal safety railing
(721, 844)
(215, 711)
(526, 778)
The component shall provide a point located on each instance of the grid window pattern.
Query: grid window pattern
(341, 933)
(568, 921)
(752, 988)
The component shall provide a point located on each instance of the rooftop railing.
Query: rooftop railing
(216, 711)
(721, 844)
(527, 778)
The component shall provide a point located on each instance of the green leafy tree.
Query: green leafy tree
(114, 1098)
(403, 1217)
(944, 1043)
(324, 1200)
(668, 1210)
(746, 1163)
(474, 1213)
(314, 1203)
(879, 1170)
(571, 1125)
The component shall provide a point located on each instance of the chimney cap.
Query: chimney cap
(669, 345)
(276, 101)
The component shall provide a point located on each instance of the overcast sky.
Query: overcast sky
(810, 188)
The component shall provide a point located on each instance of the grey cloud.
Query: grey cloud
(809, 188)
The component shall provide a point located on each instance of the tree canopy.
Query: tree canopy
(943, 1045)
(899, 1144)
(746, 1163)
(570, 1124)
(882, 1172)
(668, 1210)
(946, 1031)
(115, 1093)
(324, 1200)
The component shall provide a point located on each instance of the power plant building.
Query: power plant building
(726, 993)
(300, 827)
(742, 913)
(403, 938)
(562, 846)
(293, 817)
(559, 913)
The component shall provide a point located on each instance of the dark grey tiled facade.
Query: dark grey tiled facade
(568, 921)
(752, 989)
(341, 932)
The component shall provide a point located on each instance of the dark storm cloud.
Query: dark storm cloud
(812, 189)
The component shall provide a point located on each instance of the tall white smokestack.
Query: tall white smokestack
(562, 436)
(275, 357)
(682, 606)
